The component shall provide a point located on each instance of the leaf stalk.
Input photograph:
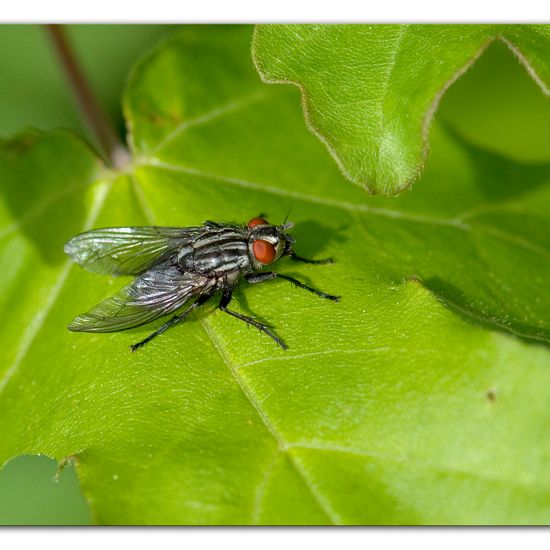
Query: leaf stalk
(112, 148)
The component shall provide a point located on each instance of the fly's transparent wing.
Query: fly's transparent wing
(128, 250)
(157, 292)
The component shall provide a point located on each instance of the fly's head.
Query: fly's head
(267, 242)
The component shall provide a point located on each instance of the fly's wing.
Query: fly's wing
(157, 292)
(128, 250)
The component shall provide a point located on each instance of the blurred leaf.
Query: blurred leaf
(36, 93)
(370, 91)
(498, 106)
(420, 398)
(33, 493)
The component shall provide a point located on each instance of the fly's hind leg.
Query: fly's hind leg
(224, 302)
(174, 321)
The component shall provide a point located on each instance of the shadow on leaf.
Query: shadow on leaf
(457, 301)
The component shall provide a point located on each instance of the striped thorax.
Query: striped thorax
(223, 249)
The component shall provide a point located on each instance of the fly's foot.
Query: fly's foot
(135, 347)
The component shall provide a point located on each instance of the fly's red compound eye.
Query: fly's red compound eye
(256, 221)
(263, 251)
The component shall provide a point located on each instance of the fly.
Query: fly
(177, 265)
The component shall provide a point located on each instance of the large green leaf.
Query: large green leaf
(420, 398)
(370, 91)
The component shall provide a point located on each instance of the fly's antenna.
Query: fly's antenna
(287, 225)
(287, 214)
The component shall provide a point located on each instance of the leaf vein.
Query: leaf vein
(260, 490)
(209, 116)
(421, 464)
(281, 444)
(286, 357)
(155, 163)
(456, 222)
(39, 209)
(36, 324)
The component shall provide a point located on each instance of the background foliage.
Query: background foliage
(412, 389)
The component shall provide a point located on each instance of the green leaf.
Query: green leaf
(370, 91)
(420, 398)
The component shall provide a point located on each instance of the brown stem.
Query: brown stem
(112, 147)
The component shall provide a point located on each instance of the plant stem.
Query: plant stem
(111, 145)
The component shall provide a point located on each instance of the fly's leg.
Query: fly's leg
(270, 275)
(174, 321)
(224, 302)
(296, 258)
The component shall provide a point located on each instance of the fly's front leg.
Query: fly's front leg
(224, 302)
(269, 275)
(296, 258)
(174, 321)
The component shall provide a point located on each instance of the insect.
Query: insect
(177, 265)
